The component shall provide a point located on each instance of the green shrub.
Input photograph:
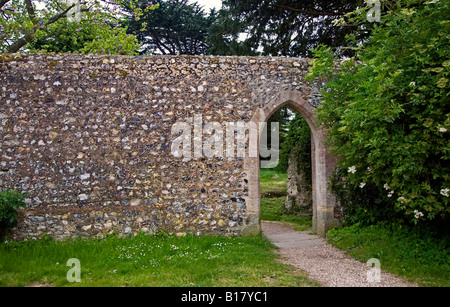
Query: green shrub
(10, 201)
(387, 114)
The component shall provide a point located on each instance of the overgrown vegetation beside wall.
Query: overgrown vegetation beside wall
(388, 115)
(10, 201)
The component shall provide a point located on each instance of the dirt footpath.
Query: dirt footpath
(324, 263)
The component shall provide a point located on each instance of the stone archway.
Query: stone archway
(323, 163)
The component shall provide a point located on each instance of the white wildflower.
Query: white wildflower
(362, 185)
(442, 129)
(418, 214)
(352, 169)
(402, 200)
(386, 187)
(444, 192)
(391, 193)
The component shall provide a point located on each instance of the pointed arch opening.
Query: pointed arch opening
(323, 164)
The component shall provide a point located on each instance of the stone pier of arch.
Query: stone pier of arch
(90, 137)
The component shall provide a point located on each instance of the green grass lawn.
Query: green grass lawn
(272, 183)
(414, 256)
(144, 260)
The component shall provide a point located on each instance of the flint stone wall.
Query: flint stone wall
(89, 138)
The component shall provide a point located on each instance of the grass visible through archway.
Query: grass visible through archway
(273, 186)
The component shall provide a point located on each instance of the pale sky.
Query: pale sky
(209, 4)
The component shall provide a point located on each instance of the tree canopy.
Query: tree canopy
(245, 27)
(88, 26)
(176, 27)
(290, 27)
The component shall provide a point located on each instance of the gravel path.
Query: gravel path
(324, 263)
